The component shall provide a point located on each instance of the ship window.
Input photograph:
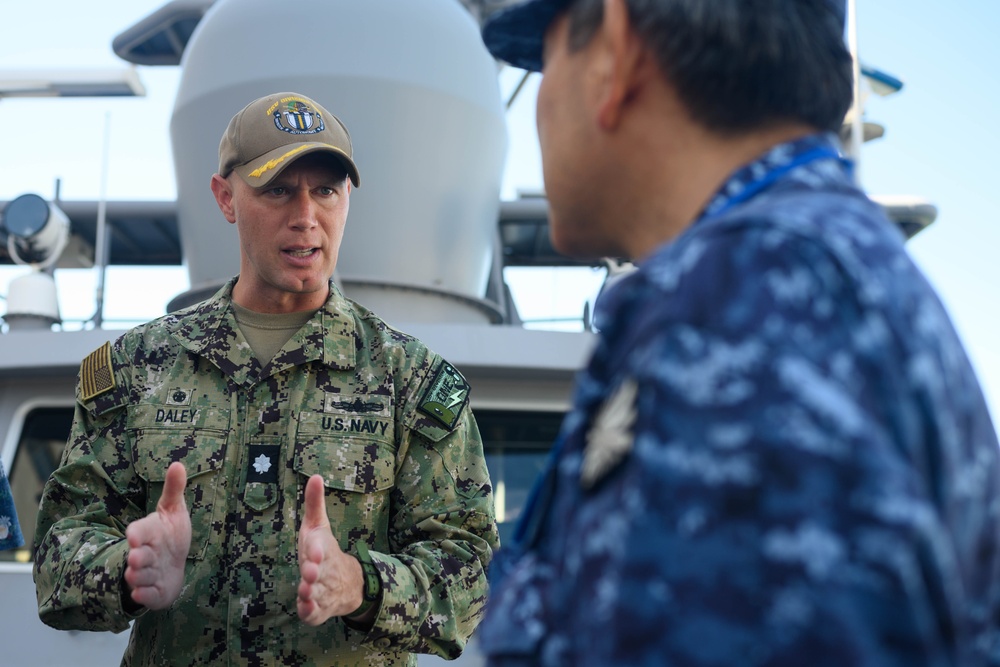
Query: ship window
(517, 444)
(43, 438)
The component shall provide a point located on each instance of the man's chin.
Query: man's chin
(578, 248)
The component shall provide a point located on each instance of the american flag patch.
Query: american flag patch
(96, 376)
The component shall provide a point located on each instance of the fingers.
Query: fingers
(308, 611)
(307, 607)
(139, 558)
(137, 533)
(315, 505)
(159, 544)
(317, 592)
(172, 499)
(141, 574)
(144, 577)
(313, 516)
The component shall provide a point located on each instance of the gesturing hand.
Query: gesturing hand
(159, 544)
(332, 583)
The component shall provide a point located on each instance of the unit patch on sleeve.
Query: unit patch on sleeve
(96, 375)
(446, 396)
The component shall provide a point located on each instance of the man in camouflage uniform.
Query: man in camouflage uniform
(272, 476)
(778, 453)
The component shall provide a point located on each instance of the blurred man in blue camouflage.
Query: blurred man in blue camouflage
(778, 453)
(10, 529)
(268, 477)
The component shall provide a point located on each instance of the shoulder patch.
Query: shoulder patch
(96, 375)
(446, 396)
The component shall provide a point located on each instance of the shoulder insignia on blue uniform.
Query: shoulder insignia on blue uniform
(610, 439)
(96, 375)
(446, 396)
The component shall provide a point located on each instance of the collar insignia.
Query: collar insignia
(262, 463)
(610, 439)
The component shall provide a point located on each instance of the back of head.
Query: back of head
(738, 65)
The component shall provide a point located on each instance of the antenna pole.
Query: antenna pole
(857, 122)
(101, 242)
(517, 90)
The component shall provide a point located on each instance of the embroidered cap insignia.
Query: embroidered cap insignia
(298, 118)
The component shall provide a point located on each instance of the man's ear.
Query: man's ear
(223, 192)
(626, 61)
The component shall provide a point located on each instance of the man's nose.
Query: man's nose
(304, 211)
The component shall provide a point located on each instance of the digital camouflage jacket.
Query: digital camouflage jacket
(380, 417)
(778, 455)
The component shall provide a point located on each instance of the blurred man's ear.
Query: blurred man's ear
(625, 56)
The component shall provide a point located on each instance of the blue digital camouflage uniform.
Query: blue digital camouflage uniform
(10, 529)
(380, 417)
(777, 455)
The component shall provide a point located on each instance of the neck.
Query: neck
(686, 166)
(272, 301)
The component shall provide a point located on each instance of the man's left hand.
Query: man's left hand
(332, 583)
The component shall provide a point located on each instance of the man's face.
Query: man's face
(290, 233)
(570, 163)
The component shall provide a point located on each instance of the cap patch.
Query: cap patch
(96, 376)
(294, 116)
(446, 396)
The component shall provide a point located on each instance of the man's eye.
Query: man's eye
(278, 191)
(326, 190)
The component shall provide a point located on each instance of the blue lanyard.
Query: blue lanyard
(773, 174)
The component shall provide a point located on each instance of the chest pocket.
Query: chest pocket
(195, 436)
(358, 459)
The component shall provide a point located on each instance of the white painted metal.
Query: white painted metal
(418, 92)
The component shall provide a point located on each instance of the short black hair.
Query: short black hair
(740, 65)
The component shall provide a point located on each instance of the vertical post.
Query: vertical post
(857, 120)
(102, 243)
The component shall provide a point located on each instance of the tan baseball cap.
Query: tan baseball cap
(272, 132)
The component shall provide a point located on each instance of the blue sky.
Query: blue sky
(941, 142)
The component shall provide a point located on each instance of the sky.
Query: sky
(940, 143)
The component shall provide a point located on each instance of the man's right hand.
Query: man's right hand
(159, 545)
